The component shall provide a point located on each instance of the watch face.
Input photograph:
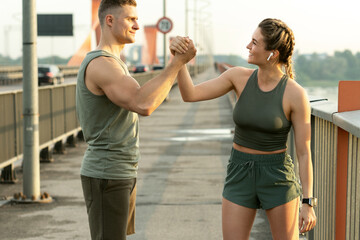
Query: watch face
(311, 201)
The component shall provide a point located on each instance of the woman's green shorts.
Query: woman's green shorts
(260, 181)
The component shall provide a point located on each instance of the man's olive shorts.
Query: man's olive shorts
(110, 206)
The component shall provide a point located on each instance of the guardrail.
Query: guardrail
(10, 75)
(336, 180)
(13, 74)
(58, 123)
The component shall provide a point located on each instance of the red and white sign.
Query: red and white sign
(164, 25)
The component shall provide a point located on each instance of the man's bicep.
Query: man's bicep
(116, 85)
(120, 89)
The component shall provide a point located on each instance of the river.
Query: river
(331, 93)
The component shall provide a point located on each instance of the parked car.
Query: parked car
(157, 67)
(49, 75)
(140, 68)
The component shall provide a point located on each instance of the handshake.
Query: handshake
(183, 48)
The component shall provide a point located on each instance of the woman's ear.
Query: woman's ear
(276, 54)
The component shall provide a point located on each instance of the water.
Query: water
(331, 93)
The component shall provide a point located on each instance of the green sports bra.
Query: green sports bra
(260, 121)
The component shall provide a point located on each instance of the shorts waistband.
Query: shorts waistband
(257, 159)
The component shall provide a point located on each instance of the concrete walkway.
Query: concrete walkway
(184, 152)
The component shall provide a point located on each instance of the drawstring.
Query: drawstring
(250, 166)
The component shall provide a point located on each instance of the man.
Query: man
(108, 101)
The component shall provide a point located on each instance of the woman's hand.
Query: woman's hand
(307, 218)
(179, 45)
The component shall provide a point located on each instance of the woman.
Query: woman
(260, 174)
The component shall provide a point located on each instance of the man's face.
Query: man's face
(125, 24)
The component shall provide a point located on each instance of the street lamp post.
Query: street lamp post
(31, 182)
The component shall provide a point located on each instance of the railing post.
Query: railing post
(341, 183)
(347, 90)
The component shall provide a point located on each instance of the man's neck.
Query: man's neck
(110, 46)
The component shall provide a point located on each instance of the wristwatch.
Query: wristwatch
(310, 201)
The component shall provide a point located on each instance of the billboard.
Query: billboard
(55, 24)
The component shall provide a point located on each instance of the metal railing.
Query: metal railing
(10, 75)
(57, 120)
(13, 74)
(326, 122)
(353, 190)
(324, 152)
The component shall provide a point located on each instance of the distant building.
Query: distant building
(135, 54)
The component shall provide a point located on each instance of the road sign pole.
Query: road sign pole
(165, 43)
(164, 25)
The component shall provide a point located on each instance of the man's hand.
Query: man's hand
(180, 53)
(179, 45)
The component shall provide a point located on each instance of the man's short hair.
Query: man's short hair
(107, 5)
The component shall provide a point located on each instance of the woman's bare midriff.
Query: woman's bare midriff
(253, 151)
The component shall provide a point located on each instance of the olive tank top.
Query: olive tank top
(110, 131)
(260, 121)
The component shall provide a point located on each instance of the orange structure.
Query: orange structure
(86, 46)
(149, 48)
(348, 90)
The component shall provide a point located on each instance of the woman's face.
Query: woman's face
(257, 53)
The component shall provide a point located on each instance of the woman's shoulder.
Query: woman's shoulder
(295, 91)
(239, 72)
(238, 76)
(242, 70)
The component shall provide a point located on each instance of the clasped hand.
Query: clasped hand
(182, 45)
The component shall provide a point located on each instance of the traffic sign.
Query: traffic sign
(164, 25)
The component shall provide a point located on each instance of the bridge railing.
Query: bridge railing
(326, 126)
(13, 74)
(10, 75)
(57, 121)
(326, 123)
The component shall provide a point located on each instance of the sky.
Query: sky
(225, 27)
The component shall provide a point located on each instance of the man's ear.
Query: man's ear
(109, 19)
